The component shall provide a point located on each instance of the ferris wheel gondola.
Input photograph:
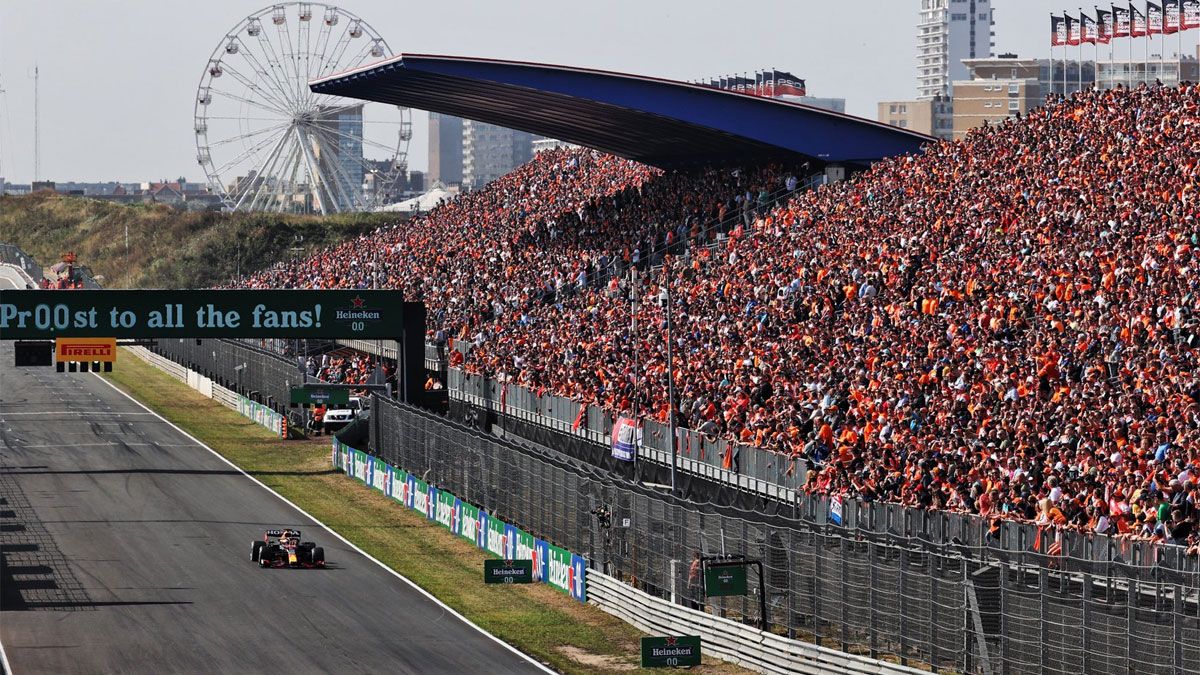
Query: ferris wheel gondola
(268, 143)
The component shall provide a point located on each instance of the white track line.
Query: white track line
(101, 413)
(330, 530)
(4, 660)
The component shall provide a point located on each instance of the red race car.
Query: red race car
(283, 548)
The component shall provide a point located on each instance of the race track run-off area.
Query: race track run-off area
(126, 548)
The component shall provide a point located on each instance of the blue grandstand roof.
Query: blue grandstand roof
(660, 122)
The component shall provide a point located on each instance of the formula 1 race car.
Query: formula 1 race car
(283, 548)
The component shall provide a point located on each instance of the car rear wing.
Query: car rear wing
(279, 533)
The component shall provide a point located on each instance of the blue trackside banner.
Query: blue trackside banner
(541, 567)
(510, 542)
(431, 505)
(579, 573)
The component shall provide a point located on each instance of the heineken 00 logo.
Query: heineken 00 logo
(507, 571)
(671, 651)
(725, 579)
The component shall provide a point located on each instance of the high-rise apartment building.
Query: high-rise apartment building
(948, 32)
(490, 151)
(445, 149)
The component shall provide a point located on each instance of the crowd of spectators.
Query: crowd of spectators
(1005, 326)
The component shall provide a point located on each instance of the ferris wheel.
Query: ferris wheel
(268, 143)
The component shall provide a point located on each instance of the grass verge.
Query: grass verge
(538, 620)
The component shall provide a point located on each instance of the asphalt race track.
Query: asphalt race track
(126, 548)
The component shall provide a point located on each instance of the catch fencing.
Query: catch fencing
(950, 597)
(926, 589)
(244, 366)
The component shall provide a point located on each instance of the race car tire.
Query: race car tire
(256, 551)
(318, 556)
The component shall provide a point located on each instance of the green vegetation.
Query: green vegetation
(537, 619)
(167, 248)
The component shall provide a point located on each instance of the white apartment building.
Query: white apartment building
(948, 32)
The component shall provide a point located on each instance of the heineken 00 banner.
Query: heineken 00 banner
(37, 314)
(668, 652)
(725, 579)
(507, 571)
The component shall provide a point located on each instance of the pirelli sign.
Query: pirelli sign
(77, 353)
(103, 350)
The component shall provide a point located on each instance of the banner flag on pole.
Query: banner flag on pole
(1072, 30)
(1121, 21)
(1087, 29)
(1190, 15)
(1058, 31)
(1154, 18)
(1137, 22)
(1170, 17)
(1104, 26)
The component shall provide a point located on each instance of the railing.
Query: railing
(732, 641)
(750, 468)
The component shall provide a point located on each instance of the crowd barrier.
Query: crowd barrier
(748, 468)
(922, 588)
(730, 640)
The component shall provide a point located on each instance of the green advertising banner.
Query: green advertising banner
(496, 545)
(418, 497)
(468, 523)
(318, 396)
(507, 571)
(38, 314)
(443, 511)
(560, 572)
(400, 485)
(725, 579)
(671, 651)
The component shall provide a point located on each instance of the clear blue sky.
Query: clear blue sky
(118, 77)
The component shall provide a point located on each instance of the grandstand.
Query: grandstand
(1004, 326)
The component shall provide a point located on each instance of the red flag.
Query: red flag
(504, 398)
(727, 460)
(581, 417)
